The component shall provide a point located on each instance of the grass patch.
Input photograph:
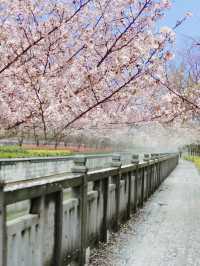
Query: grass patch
(194, 159)
(18, 152)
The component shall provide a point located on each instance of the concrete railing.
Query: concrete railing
(193, 150)
(27, 168)
(57, 231)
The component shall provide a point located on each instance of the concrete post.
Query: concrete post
(102, 186)
(129, 195)
(159, 170)
(148, 177)
(37, 206)
(3, 228)
(80, 168)
(154, 157)
(116, 162)
(146, 157)
(58, 196)
(135, 160)
(152, 173)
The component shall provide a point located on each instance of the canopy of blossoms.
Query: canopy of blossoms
(81, 63)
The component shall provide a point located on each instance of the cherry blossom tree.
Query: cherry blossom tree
(182, 102)
(81, 63)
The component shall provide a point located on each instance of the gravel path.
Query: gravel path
(167, 231)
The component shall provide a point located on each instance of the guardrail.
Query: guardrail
(27, 168)
(56, 231)
(193, 149)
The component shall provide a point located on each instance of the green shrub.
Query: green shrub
(18, 152)
(194, 159)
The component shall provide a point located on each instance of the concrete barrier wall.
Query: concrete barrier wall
(56, 231)
(28, 168)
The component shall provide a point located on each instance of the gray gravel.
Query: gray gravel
(166, 232)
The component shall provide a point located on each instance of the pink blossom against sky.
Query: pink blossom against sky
(189, 29)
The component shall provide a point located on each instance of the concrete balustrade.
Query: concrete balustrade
(58, 232)
(193, 150)
(28, 168)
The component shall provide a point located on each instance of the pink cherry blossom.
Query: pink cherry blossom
(80, 64)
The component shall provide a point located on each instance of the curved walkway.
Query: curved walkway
(167, 231)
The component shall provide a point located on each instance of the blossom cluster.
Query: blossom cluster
(79, 63)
